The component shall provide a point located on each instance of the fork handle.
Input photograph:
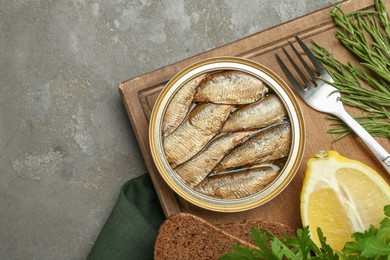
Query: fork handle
(382, 155)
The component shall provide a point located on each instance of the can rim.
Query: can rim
(278, 86)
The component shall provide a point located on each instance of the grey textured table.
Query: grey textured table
(65, 139)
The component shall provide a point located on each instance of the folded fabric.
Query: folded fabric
(131, 228)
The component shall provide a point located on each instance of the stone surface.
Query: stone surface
(66, 143)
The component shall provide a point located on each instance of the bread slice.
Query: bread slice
(185, 236)
(243, 230)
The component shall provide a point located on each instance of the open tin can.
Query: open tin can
(291, 161)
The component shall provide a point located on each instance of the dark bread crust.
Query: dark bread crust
(185, 236)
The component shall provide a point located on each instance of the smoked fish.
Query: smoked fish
(238, 184)
(265, 112)
(198, 167)
(268, 145)
(230, 87)
(180, 105)
(193, 134)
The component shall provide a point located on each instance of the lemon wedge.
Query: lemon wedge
(341, 196)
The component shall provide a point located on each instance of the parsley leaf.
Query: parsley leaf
(372, 244)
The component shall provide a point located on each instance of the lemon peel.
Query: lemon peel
(341, 196)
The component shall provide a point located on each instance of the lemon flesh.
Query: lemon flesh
(341, 196)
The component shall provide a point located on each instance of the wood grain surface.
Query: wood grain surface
(140, 93)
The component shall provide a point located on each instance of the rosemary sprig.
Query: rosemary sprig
(366, 34)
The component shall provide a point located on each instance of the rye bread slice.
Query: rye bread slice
(185, 236)
(243, 230)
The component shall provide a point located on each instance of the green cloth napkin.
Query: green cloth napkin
(130, 230)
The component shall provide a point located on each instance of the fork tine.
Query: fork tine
(290, 77)
(304, 63)
(301, 75)
(317, 64)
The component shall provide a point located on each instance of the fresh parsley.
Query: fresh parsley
(372, 244)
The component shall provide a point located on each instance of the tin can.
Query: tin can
(278, 86)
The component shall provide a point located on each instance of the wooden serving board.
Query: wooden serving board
(140, 93)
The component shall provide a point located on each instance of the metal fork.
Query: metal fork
(325, 98)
